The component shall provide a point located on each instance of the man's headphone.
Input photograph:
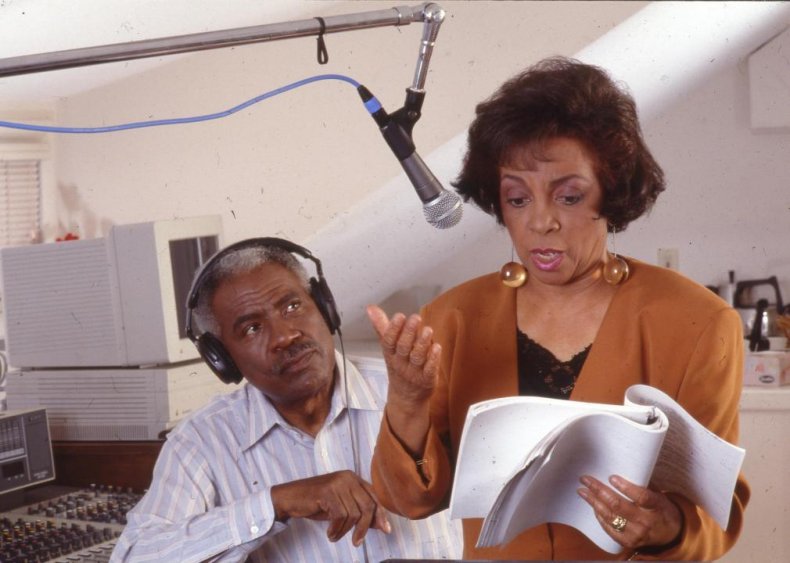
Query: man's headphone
(210, 347)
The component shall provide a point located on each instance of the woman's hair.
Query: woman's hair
(237, 263)
(561, 97)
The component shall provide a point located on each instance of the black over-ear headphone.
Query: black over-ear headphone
(210, 347)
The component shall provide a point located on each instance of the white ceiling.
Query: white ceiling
(42, 26)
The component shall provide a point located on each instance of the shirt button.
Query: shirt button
(254, 530)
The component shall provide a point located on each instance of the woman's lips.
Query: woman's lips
(546, 259)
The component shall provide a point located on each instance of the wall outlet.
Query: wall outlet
(668, 258)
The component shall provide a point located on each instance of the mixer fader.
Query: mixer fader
(78, 527)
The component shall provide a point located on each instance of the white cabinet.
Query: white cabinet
(765, 433)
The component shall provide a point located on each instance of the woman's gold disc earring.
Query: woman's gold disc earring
(615, 270)
(513, 274)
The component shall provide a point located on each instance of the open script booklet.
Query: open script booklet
(521, 458)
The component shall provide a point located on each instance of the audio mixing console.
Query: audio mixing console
(78, 527)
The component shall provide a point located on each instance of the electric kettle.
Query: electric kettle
(758, 313)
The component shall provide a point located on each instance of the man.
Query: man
(279, 469)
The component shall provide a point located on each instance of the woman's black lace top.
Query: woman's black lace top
(541, 374)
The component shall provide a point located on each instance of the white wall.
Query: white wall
(290, 165)
(727, 202)
(287, 165)
(298, 165)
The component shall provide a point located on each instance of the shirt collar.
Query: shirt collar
(262, 416)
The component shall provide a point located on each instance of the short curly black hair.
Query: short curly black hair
(562, 97)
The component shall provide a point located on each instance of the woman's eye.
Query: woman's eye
(569, 199)
(517, 201)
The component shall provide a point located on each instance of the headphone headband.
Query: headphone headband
(270, 242)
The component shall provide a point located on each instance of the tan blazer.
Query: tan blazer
(661, 329)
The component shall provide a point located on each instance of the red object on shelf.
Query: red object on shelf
(67, 236)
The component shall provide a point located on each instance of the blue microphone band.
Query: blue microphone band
(373, 105)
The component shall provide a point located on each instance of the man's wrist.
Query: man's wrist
(280, 515)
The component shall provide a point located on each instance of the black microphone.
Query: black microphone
(441, 208)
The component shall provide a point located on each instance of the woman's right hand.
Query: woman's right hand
(411, 356)
(412, 359)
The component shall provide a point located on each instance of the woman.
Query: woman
(557, 156)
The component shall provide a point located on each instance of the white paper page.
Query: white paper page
(694, 461)
(596, 444)
(494, 526)
(518, 485)
(497, 438)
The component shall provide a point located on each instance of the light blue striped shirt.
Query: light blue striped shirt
(210, 500)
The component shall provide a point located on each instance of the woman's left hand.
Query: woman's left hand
(645, 518)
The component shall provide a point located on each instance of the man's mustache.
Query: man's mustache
(293, 351)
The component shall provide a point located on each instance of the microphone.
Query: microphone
(442, 209)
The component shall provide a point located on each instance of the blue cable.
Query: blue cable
(371, 106)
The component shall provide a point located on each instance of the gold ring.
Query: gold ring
(619, 523)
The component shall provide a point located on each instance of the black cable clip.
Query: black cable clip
(322, 54)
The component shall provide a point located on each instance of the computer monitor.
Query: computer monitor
(113, 301)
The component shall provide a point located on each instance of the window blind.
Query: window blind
(20, 201)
